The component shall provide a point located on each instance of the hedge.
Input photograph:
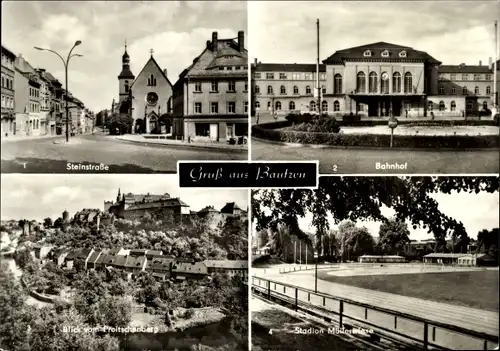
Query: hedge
(374, 140)
(427, 123)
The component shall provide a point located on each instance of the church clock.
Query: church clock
(152, 98)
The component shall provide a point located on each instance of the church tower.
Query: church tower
(126, 77)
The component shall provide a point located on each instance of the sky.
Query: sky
(475, 211)
(26, 196)
(177, 31)
(453, 32)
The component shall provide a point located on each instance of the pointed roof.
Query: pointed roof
(157, 65)
(376, 49)
(230, 207)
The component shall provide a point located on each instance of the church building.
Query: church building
(147, 97)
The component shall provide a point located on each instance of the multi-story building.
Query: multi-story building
(376, 80)
(279, 89)
(45, 102)
(27, 97)
(210, 99)
(55, 120)
(75, 108)
(8, 95)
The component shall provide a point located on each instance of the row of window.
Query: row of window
(214, 107)
(292, 106)
(373, 83)
(295, 76)
(34, 107)
(7, 81)
(34, 92)
(453, 105)
(7, 62)
(296, 91)
(34, 124)
(465, 76)
(465, 90)
(214, 86)
(7, 101)
(231, 68)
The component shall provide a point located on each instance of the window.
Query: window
(214, 107)
(384, 83)
(221, 68)
(214, 86)
(408, 84)
(322, 76)
(453, 91)
(308, 90)
(296, 76)
(152, 80)
(308, 76)
(373, 81)
(337, 84)
(361, 82)
(269, 90)
(197, 87)
(402, 54)
(470, 106)
(256, 75)
(126, 86)
(245, 106)
(202, 129)
(441, 90)
(476, 90)
(396, 82)
(487, 77)
(277, 105)
(291, 105)
(336, 106)
(453, 106)
(385, 53)
(465, 91)
(312, 106)
(269, 105)
(3, 81)
(485, 105)
(367, 53)
(465, 77)
(246, 86)
(282, 90)
(442, 106)
(257, 89)
(231, 86)
(257, 105)
(488, 90)
(324, 106)
(197, 107)
(295, 89)
(323, 89)
(282, 75)
(477, 77)
(453, 76)
(430, 106)
(231, 107)
(269, 75)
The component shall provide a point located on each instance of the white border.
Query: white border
(249, 282)
(409, 175)
(251, 162)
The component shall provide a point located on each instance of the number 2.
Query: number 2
(335, 168)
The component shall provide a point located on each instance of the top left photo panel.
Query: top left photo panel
(122, 87)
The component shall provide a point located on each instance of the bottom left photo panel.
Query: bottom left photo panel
(122, 262)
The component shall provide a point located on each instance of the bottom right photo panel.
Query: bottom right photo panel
(376, 263)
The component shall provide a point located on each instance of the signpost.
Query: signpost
(393, 123)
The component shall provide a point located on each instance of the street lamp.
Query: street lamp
(65, 62)
(316, 271)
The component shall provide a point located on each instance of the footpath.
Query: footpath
(222, 146)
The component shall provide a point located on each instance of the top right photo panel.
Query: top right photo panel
(376, 87)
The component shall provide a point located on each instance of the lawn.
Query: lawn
(477, 289)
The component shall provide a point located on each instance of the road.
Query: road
(45, 156)
(363, 161)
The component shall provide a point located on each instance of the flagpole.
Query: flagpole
(495, 67)
(317, 69)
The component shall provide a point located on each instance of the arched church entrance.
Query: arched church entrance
(140, 126)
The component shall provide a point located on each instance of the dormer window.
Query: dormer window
(402, 54)
(385, 53)
(367, 53)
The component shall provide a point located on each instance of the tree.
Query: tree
(393, 236)
(487, 241)
(357, 198)
(354, 241)
(119, 123)
(58, 223)
(47, 222)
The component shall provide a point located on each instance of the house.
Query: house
(477, 260)
(59, 255)
(78, 254)
(188, 270)
(443, 258)
(160, 267)
(229, 267)
(135, 264)
(41, 252)
(232, 209)
(381, 259)
(91, 261)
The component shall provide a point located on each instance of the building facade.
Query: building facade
(27, 97)
(210, 99)
(8, 121)
(45, 115)
(375, 80)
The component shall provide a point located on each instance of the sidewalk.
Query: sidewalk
(14, 138)
(141, 139)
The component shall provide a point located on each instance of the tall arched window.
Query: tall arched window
(126, 86)
(442, 106)
(396, 82)
(476, 90)
(441, 90)
(282, 90)
(277, 105)
(324, 106)
(337, 86)
(257, 89)
(336, 106)
(453, 106)
(408, 83)
(312, 106)
(384, 83)
(453, 91)
(361, 82)
(372, 83)
(485, 105)
(465, 91)
(257, 105)
(308, 90)
(269, 90)
(295, 89)
(152, 80)
(488, 90)
(291, 105)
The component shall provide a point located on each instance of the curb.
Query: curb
(147, 143)
(333, 147)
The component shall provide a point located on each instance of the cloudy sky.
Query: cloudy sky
(47, 195)
(452, 32)
(177, 31)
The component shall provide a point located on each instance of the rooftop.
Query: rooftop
(288, 67)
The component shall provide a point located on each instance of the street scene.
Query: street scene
(166, 87)
(364, 97)
(91, 265)
(371, 268)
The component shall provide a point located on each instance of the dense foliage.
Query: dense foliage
(320, 125)
(119, 123)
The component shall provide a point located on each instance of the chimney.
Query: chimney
(208, 44)
(255, 61)
(241, 41)
(490, 63)
(214, 41)
(480, 63)
(165, 72)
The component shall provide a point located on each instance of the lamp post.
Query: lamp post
(65, 62)
(316, 271)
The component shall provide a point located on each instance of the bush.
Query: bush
(300, 118)
(324, 125)
(485, 113)
(351, 118)
(496, 119)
